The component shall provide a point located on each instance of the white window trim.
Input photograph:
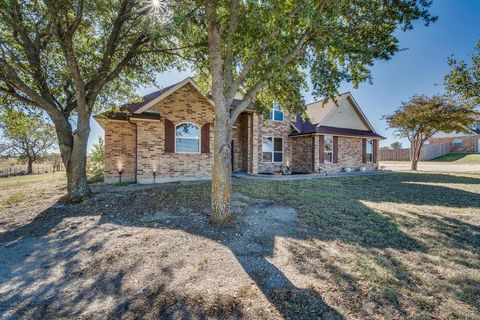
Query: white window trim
(366, 151)
(199, 138)
(333, 156)
(273, 149)
(272, 114)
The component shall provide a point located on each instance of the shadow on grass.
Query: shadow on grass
(331, 210)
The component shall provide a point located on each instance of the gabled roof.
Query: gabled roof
(318, 112)
(157, 96)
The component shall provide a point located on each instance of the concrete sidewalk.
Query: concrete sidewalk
(430, 166)
(241, 175)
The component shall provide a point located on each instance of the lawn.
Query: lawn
(394, 246)
(459, 158)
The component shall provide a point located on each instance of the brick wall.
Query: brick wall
(277, 129)
(468, 143)
(120, 150)
(306, 156)
(184, 105)
(303, 153)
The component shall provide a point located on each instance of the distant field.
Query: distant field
(459, 158)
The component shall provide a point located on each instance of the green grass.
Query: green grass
(15, 198)
(18, 181)
(407, 243)
(461, 158)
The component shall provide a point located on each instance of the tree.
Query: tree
(396, 145)
(96, 160)
(265, 48)
(421, 117)
(463, 81)
(26, 136)
(71, 57)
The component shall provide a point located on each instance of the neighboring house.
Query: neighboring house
(169, 136)
(459, 141)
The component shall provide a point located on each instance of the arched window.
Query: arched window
(187, 138)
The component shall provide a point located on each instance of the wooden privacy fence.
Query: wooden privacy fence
(429, 152)
(394, 154)
(14, 170)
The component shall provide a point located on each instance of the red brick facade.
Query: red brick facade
(468, 143)
(141, 147)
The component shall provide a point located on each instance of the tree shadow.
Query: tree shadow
(251, 238)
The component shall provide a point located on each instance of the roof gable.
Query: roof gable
(155, 97)
(347, 114)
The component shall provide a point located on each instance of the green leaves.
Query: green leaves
(422, 116)
(463, 81)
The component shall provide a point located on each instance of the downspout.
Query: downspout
(136, 147)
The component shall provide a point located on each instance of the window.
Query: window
(369, 150)
(187, 138)
(276, 114)
(328, 149)
(272, 149)
(457, 143)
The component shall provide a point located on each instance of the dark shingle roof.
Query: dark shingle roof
(305, 127)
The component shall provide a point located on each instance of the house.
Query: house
(169, 136)
(459, 141)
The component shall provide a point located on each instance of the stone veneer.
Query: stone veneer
(468, 143)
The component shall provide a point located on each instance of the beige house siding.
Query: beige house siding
(120, 150)
(345, 116)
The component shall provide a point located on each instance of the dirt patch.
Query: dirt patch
(117, 256)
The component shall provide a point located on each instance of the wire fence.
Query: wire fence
(17, 170)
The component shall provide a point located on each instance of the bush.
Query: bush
(95, 161)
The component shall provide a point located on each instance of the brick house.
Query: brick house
(169, 136)
(460, 141)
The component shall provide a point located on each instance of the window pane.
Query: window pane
(188, 130)
(328, 145)
(369, 146)
(278, 144)
(278, 115)
(187, 145)
(267, 145)
(278, 157)
(267, 157)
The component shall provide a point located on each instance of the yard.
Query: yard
(403, 245)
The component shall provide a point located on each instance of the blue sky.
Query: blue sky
(417, 70)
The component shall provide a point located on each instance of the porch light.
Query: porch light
(120, 175)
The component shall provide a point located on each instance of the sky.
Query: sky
(419, 69)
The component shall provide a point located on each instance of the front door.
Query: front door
(478, 144)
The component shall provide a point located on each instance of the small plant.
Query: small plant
(202, 262)
(15, 198)
(122, 184)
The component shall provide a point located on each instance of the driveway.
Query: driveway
(430, 166)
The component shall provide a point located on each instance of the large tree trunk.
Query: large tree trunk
(29, 166)
(222, 167)
(73, 150)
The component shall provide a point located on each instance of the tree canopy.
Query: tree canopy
(463, 81)
(269, 50)
(26, 135)
(73, 57)
(421, 117)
